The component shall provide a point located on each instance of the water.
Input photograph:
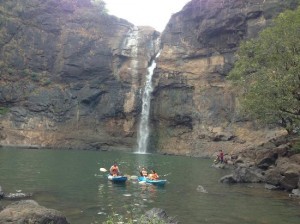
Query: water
(70, 181)
(144, 130)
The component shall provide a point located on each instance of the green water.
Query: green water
(70, 181)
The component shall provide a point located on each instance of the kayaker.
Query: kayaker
(144, 172)
(153, 175)
(114, 170)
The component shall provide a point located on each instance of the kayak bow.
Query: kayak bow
(117, 179)
(153, 182)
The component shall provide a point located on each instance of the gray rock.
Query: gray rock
(1, 193)
(29, 211)
(272, 187)
(295, 193)
(290, 180)
(17, 196)
(159, 215)
(228, 179)
(248, 175)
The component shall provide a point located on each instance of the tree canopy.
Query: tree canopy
(267, 72)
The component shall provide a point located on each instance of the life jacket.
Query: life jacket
(155, 176)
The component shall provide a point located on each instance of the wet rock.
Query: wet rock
(17, 196)
(201, 189)
(295, 193)
(159, 215)
(228, 179)
(248, 175)
(244, 175)
(29, 211)
(272, 187)
(1, 193)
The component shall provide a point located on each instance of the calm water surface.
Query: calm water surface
(70, 181)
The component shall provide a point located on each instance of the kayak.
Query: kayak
(154, 182)
(117, 179)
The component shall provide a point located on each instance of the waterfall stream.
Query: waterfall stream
(144, 130)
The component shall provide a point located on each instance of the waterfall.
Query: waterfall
(144, 130)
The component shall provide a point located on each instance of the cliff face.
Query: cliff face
(193, 109)
(70, 75)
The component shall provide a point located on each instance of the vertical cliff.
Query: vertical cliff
(193, 108)
(70, 75)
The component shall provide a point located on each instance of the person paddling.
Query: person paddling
(114, 170)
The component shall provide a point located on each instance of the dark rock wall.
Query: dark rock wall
(67, 76)
(71, 76)
(193, 108)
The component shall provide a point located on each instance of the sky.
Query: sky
(155, 13)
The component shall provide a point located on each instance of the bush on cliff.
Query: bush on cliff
(267, 72)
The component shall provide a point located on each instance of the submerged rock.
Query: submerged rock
(29, 211)
(159, 215)
(201, 189)
(1, 193)
(17, 196)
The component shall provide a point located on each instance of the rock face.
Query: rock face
(70, 75)
(193, 108)
(29, 211)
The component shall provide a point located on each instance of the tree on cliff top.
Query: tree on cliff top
(267, 72)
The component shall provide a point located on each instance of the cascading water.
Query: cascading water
(144, 129)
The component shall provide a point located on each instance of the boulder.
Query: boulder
(228, 179)
(30, 212)
(248, 175)
(158, 215)
(295, 193)
(266, 158)
(273, 176)
(290, 180)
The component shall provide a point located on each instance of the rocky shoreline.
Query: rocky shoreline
(275, 163)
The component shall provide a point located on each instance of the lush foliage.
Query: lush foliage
(267, 72)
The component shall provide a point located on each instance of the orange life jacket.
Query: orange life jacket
(155, 176)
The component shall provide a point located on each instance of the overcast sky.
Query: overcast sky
(155, 13)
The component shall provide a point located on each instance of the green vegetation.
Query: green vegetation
(267, 73)
(3, 110)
